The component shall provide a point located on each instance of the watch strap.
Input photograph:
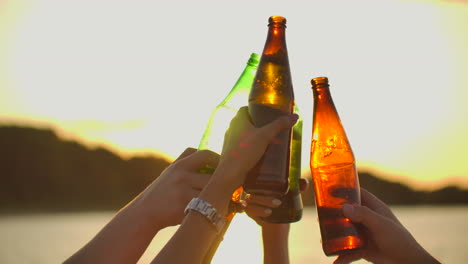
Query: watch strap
(207, 210)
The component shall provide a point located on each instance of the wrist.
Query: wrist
(144, 217)
(275, 243)
(218, 194)
(275, 231)
(416, 254)
(425, 257)
(227, 177)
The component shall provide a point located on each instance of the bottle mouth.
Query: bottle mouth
(319, 81)
(277, 20)
(254, 59)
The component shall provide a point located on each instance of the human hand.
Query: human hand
(244, 144)
(258, 207)
(388, 241)
(166, 197)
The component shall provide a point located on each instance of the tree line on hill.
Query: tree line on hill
(41, 172)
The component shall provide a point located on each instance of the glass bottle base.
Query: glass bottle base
(342, 245)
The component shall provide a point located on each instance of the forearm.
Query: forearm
(420, 255)
(123, 240)
(275, 243)
(196, 233)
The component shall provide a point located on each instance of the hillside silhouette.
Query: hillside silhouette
(395, 193)
(41, 172)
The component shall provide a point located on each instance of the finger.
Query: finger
(265, 201)
(370, 200)
(256, 211)
(303, 184)
(200, 159)
(282, 123)
(243, 113)
(376, 223)
(239, 122)
(265, 135)
(374, 203)
(186, 153)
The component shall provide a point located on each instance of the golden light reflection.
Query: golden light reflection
(271, 71)
(115, 136)
(271, 97)
(242, 243)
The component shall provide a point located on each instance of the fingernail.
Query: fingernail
(294, 118)
(276, 202)
(348, 209)
(267, 211)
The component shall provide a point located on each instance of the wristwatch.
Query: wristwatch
(207, 210)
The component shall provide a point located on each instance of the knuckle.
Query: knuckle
(181, 179)
(207, 153)
(360, 213)
(178, 165)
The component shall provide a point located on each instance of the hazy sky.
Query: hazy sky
(144, 75)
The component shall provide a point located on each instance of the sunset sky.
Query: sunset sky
(143, 76)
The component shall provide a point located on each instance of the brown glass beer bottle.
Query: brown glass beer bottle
(334, 174)
(272, 96)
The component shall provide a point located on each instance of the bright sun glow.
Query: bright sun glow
(244, 235)
(110, 73)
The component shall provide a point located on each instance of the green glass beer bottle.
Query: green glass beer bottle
(213, 136)
(291, 206)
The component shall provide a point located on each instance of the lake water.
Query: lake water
(51, 238)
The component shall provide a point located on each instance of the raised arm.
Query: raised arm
(244, 145)
(161, 204)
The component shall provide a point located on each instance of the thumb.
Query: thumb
(365, 216)
(199, 159)
(282, 123)
(187, 152)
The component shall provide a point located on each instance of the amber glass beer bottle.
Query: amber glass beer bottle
(272, 96)
(334, 174)
(291, 206)
(213, 136)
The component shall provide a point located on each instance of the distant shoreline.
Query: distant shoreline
(40, 172)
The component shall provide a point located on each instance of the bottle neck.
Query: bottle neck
(276, 39)
(321, 91)
(328, 134)
(243, 85)
(323, 101)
